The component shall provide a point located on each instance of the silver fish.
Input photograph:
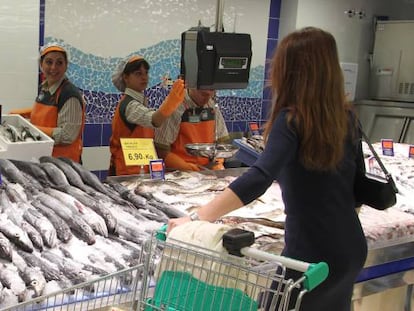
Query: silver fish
(5, 133)
(115, 253)
(85, 266)
(16, 193)
(70, 215)
(16, 216)
(5, 202)
(100, 209)
(63, 210)
(33, 235)
(42, 224)
(13, 133)
(12, 173)
(71, 174)
(68, 267)
(82, 229)
(11, 279)
(28, 135)
(15, 234)
(7, 298)
(34, 279)
(6, 250)
(92, 218)
(168, 209)
(50, 271)
(92, 180)
(34, 170)
(63, 231)
(88, 177)
(95, 221)
(56, 176)
(96, 258)
(140, 202)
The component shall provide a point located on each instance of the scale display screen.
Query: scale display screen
(233, 63)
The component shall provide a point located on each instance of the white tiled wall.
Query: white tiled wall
(19, 35)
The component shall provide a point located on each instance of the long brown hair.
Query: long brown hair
(306, 78)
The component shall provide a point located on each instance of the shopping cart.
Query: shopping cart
(183, 277)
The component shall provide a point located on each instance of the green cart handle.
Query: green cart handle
(315, 275)
(161, 233)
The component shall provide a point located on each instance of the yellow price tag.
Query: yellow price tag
(138, 151)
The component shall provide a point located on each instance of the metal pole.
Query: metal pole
(219, 15)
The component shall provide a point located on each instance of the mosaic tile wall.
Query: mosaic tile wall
(92, 74)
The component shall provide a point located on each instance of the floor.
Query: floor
(389, 300)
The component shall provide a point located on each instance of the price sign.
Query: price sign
(254, 128)
(387, 147)
(138, 151)
(157, 169)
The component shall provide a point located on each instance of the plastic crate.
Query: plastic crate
(24, 150)
(245, 154)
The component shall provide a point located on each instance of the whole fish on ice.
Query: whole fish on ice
(15, 234)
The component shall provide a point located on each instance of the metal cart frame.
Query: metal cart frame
(119, 289)
(188, 277)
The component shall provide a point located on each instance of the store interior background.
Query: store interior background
(99, 33)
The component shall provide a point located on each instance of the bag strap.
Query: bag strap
(388, 176)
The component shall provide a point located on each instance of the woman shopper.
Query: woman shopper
(59, 110)
(313, 150)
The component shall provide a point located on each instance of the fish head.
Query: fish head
(37, 286)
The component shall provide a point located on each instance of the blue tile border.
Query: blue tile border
(275, 8)
(106, 134)
(92, 135)
(271, 46)
(273, 28)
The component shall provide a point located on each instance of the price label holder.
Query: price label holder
(157, 169)
(254, 128)
(387, 147)
(411, 151)
(138, 151)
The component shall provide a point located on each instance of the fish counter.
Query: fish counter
(62, 230)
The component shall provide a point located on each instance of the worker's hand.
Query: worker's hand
(24, 112)
(193, 167)
(174, 161)
(47, 130)
(174, 222)
(218, 164)
(174, 99)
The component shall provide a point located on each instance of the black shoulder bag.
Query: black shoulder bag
(372, 190)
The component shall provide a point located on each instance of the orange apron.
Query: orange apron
(45, 113)
(121, 128)
(197, 126)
